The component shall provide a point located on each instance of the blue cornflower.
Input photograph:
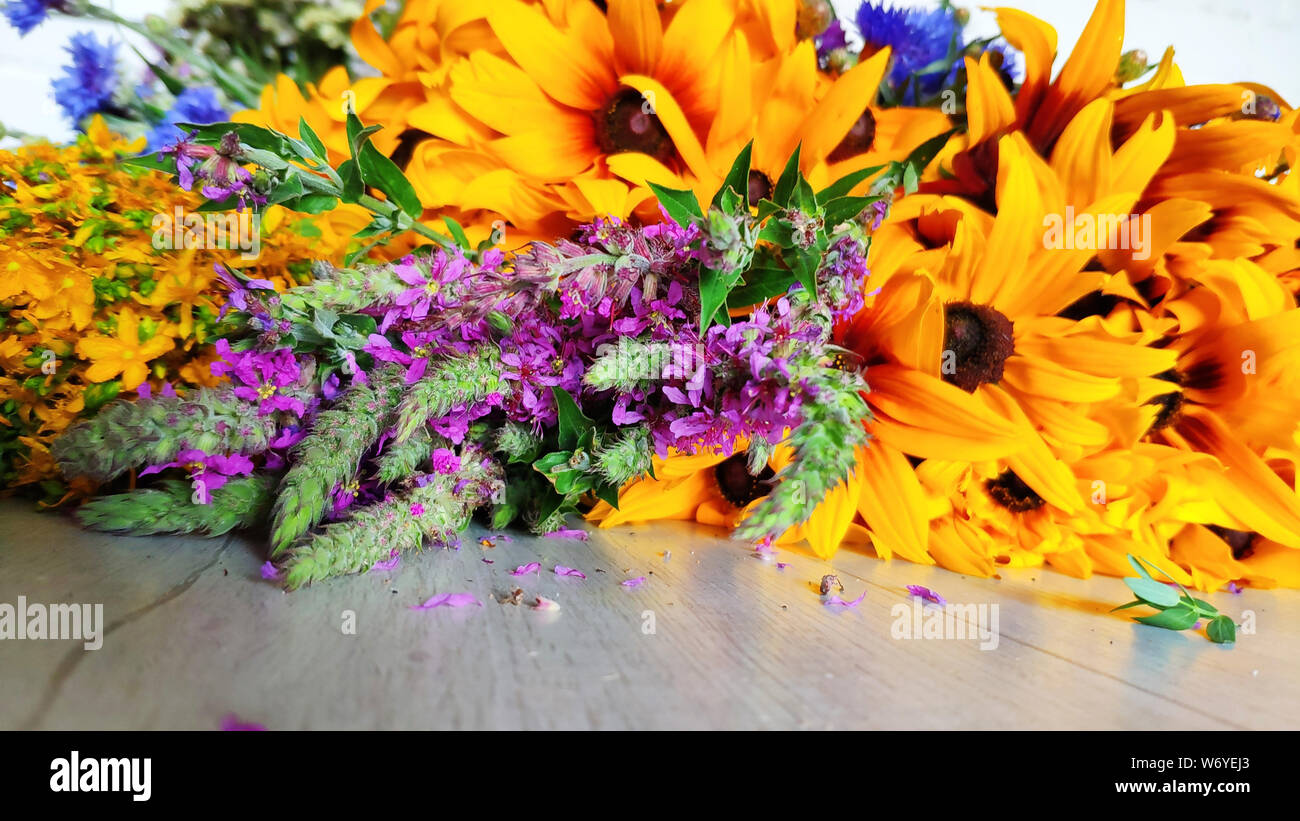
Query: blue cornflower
(199, 106)
(916, 38)
(88, 84)
(26, 15)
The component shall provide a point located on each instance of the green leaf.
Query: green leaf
(715, 286)
(314, 204)
(1153, 593)
(1135, 603)
(285, 191)
(804, 262)
(761, 283)
(608, 493)
(1200, 605)
(789, 178)
(845, 184)
(572, 423)
(1221, 630)
(152, 162)
(1175, 618)
(681, 205)
(309, 136)
(1138, 566)
(844, 209)
(457, 233)
(353, 187)
(737, 179)
(384, 174)
(911, 179)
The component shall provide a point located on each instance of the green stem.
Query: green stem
(388, 209)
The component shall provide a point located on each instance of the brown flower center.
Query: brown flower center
(977, 340)
(628, 123)
(859, 139)
(1010, 491)
(760, 187)
(737, 485)
(1241, 542)
(1170, 404)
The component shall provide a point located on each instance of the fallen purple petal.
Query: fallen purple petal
(561, 570)
(488, 561)
(782, 565)
(637, 582)
(393, 560)
(525, 569)
(544, 603)
(926, 594)
(449, 600)
(232, 723)
(835, 601)
(270, 572)
(1234, 588)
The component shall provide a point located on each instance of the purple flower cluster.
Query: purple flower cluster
(261, 377)
(218, 170)
(208, 470)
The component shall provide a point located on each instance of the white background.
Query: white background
(1216, 41)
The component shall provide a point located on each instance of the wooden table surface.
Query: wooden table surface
(193, 633)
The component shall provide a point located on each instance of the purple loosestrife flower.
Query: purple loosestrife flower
(88, 84)
(538, 356)
(435, 283)
(218, 170)
(239, 291)
(444, 460)
(422, 345)
(210, 470)
(26, 15)
(917, 38)
(197, 106)
(841, 278)
(261, 376)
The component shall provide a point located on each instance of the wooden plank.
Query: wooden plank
(737, 643)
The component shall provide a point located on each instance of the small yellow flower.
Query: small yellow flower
(124, 354)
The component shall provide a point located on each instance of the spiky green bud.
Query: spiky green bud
(438, 510)
(626, 457)
(824, 444)
(402, 459)
(151, 432)
(243, 502)
(454, 381)
(520, 443)
(331, 453)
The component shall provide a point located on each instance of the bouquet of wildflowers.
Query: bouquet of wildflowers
(1079, 329)
(376, 408)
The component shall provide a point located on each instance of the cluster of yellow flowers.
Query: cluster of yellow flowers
(89, 307)
(548, 115)
(1082, 340)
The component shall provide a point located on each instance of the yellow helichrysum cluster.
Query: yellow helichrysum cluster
(93, 302)
(1082, 340)
(545, 115)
